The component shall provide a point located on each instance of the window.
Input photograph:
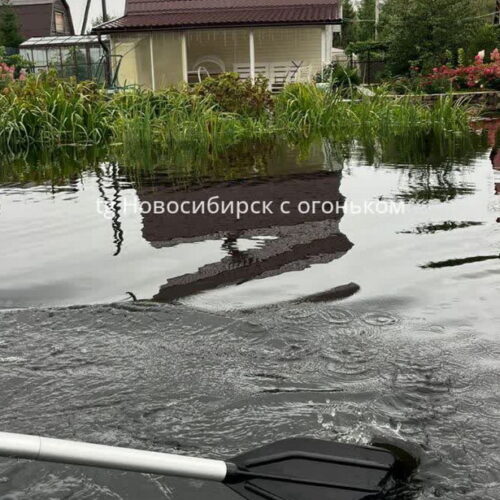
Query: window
(59, 22)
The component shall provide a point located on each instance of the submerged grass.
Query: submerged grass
(52, 112)
(46, 113)
(179, 119)
(304, 110)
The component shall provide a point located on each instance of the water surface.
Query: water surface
(341, 326)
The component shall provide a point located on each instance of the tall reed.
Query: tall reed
(304, 110)
(46, 112)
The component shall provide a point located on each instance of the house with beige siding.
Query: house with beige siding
(158, 43)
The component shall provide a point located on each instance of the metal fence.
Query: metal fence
(370, 67)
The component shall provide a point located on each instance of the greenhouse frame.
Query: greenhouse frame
(82, 57)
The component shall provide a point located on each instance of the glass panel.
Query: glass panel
(54, 55)
(40, 57)
(63, 40)
(82, 69)
(96, 72)
(26, 54)
(67, 55)
(68, 62)
(95, 54)
(33, 41)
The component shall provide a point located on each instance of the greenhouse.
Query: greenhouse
(78, 56)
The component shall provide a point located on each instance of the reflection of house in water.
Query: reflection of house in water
(283, 242)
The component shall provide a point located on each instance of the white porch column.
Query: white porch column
(152, 56)
(323, 49)
(252, 56)
(184, 57)
(323, 45)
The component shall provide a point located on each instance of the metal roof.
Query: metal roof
(61, 40)
(177, 14)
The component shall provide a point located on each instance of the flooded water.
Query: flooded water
(378, 321)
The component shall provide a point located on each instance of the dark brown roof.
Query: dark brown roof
(177, 14)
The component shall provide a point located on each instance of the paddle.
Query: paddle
(293, 469)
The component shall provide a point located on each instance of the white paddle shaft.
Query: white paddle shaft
(97, 455)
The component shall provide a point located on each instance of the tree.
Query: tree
(366, 15)
(487, 38)
(424, 33)
(9, 26)
(350, 24)
(486, 9)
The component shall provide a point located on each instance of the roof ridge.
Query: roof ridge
(156, 6)
(235, 8)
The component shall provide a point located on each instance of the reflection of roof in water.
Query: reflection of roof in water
(298, 248)
(295, 241)
(167, 230)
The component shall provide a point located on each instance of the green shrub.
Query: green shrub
(234, 95)
(486, 38)
(339, 77)
(15, 60)
(404, 85)
(376, 48)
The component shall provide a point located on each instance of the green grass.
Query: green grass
(46, 113)
(49, 113)
(304, 111)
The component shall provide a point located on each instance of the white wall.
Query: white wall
(275, 48)
(272, 45)
(135, 66)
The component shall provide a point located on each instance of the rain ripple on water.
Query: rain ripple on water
(172, 379)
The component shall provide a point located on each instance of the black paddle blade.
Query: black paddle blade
(310, 469)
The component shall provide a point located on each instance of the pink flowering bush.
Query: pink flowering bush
(9, 74)
(479, 76)
(6, 71)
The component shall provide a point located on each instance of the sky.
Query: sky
(115, 9)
